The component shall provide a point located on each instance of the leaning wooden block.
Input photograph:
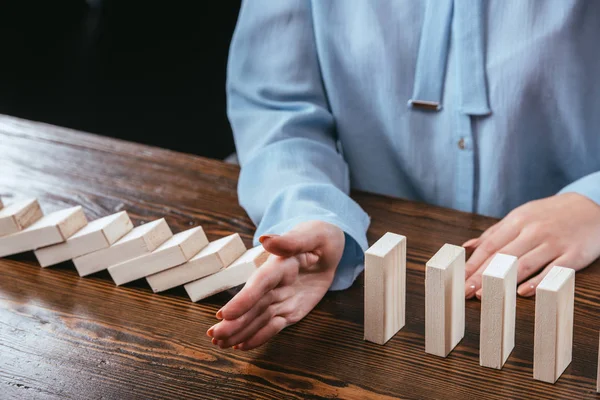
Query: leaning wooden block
(139, 241)
(553, 340)
(498, 306)
(445, 300)
(175, 251)
(50, 229)
(96, 235)
(214, 257)
(232, 276)
(18, 216)
(385, 288)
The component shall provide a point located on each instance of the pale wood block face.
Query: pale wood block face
(92, 237)
(385, 288)
(498, 305)
(117, 226)
(18, 216)
(598, 370)
(175, 251)
(130, 246)
(445, 300)
(70, 221)
(158, 234)
(234, 275)
(212, 258)
(554, 307)
(44, 232)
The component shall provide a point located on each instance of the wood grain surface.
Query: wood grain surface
(62, 336)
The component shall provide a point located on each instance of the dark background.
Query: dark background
(147, 71)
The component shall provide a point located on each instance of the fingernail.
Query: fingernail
(210, 331)
(478, 294)
(219, 314)
(526, 290)
(214, 341)
(469, 291)
(265, 237)
(234, 347)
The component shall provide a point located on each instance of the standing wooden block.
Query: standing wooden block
(139, 241)
(385, 288)
(234, 275)
(18, 216)
(213, 258)
(50, 229)
(174, 251)
(498, 306)
(445, 300)
(598, 372)
(96, 235)
(553, 342)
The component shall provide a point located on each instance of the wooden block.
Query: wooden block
(598, 372)
(139, 241)
(175, 251)
(214, 257)
(498, 311)
(385, 288)
(50, 229)
(234, 275)
(553, 340)
(18, 216)
(445, 300)
(96, 235)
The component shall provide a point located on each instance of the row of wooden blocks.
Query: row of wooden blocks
(385, 298)
(129, 253)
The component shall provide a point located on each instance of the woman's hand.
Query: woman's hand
(284, 289)
(560, 230)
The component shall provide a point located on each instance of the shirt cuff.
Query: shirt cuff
(588, 186)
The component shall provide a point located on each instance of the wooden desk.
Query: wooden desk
(62, 336)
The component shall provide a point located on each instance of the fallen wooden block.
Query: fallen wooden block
(19, 215)
(50, 229)
(214, 257)
(445, 300)
(234, 275)
(175, 251)
(498, 311)
(139, 241)
(385, 288)
(96, 235)
(553, 341)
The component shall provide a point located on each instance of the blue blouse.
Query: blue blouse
(475, 105)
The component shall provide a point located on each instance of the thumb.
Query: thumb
(293, 243)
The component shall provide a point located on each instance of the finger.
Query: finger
(521, 245)
(266, 333)
(535, 260)
(491, 230)
(478, 293)
(527, 289)
(501, 237)
(227, 328)
(476, 241)
(473, 284)
(470, 242)
(294, 242)
(250, 330)
(267, 277)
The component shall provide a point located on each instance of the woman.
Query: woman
(489, 107)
